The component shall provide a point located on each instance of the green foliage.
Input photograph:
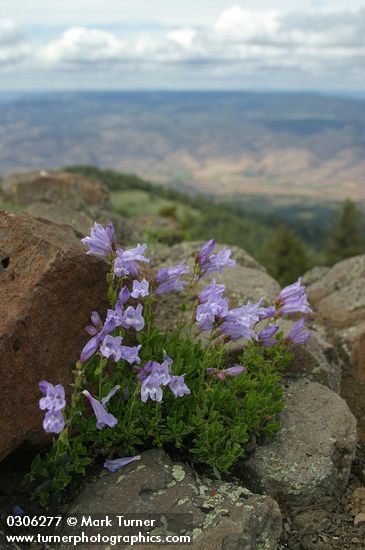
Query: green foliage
(210, 426)
(347, 235)
(169, 211)
(286, 257)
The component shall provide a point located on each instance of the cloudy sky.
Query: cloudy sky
(175, 44)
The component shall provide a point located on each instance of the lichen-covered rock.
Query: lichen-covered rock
(48, 287)
(317, 360)
(338, 299)
(224, 515)
(311, 455)
(247, 281)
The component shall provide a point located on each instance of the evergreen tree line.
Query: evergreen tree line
(275, 244)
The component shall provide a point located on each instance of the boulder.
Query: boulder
(61, 214)
(217, 515)
(48, 287)
(339, 302)
(311, 455)
(247, 281)
(54, 186)
(317, 359)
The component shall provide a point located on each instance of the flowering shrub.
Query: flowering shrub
(137, 387)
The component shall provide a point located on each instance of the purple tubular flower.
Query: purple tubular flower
(230, 372)
(130, 354)
(212, 292)
(112, 392)
(118, 463)
(101, 241)
(96, 324)
(178, 387)
(103, 418)
(140, 289)
(125, 262)
(206, 250)
(298, 334)
(210, 263)
(212, 306)
(151, 388)
(124, 296)
(113, 320)
(54, 399)
(132, 318)
(265, 337)
(236, 370)
(53, 422)
(266, 312)
(293, 299)
(110, 347)
(154, 375)
(238, 322)
(168, 278)
(90, 348)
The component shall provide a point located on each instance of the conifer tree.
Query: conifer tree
(287, 256)
(346, 237)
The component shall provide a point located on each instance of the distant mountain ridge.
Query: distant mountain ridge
(222, 143)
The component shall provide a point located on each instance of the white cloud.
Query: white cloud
(14, 45)
(315, 43)
(80, 45)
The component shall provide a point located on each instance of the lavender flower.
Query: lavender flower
(231, 371)
(124, 296)
(132, 318)
(212, 292)
(112, 392)
(118, 463)
(54, 399)
(103, 418)
(90, 348)
(96, 324)
(140, 289)
(110, 347)
(113, 320)
(265, 337)
(206, 250)
(125, 262)
(298, 335)
(101, 241)
(238, 322)
(212, 306)
(130, 354)
(154, 375)
(168, 278)
(178, 387)
(53, 422)
(151, 388)
(210, 263)
(293, 299)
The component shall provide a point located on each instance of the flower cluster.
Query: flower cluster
(127, 320)
(53, 402)
(155, 375)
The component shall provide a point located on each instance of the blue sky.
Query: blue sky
(169, 44)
